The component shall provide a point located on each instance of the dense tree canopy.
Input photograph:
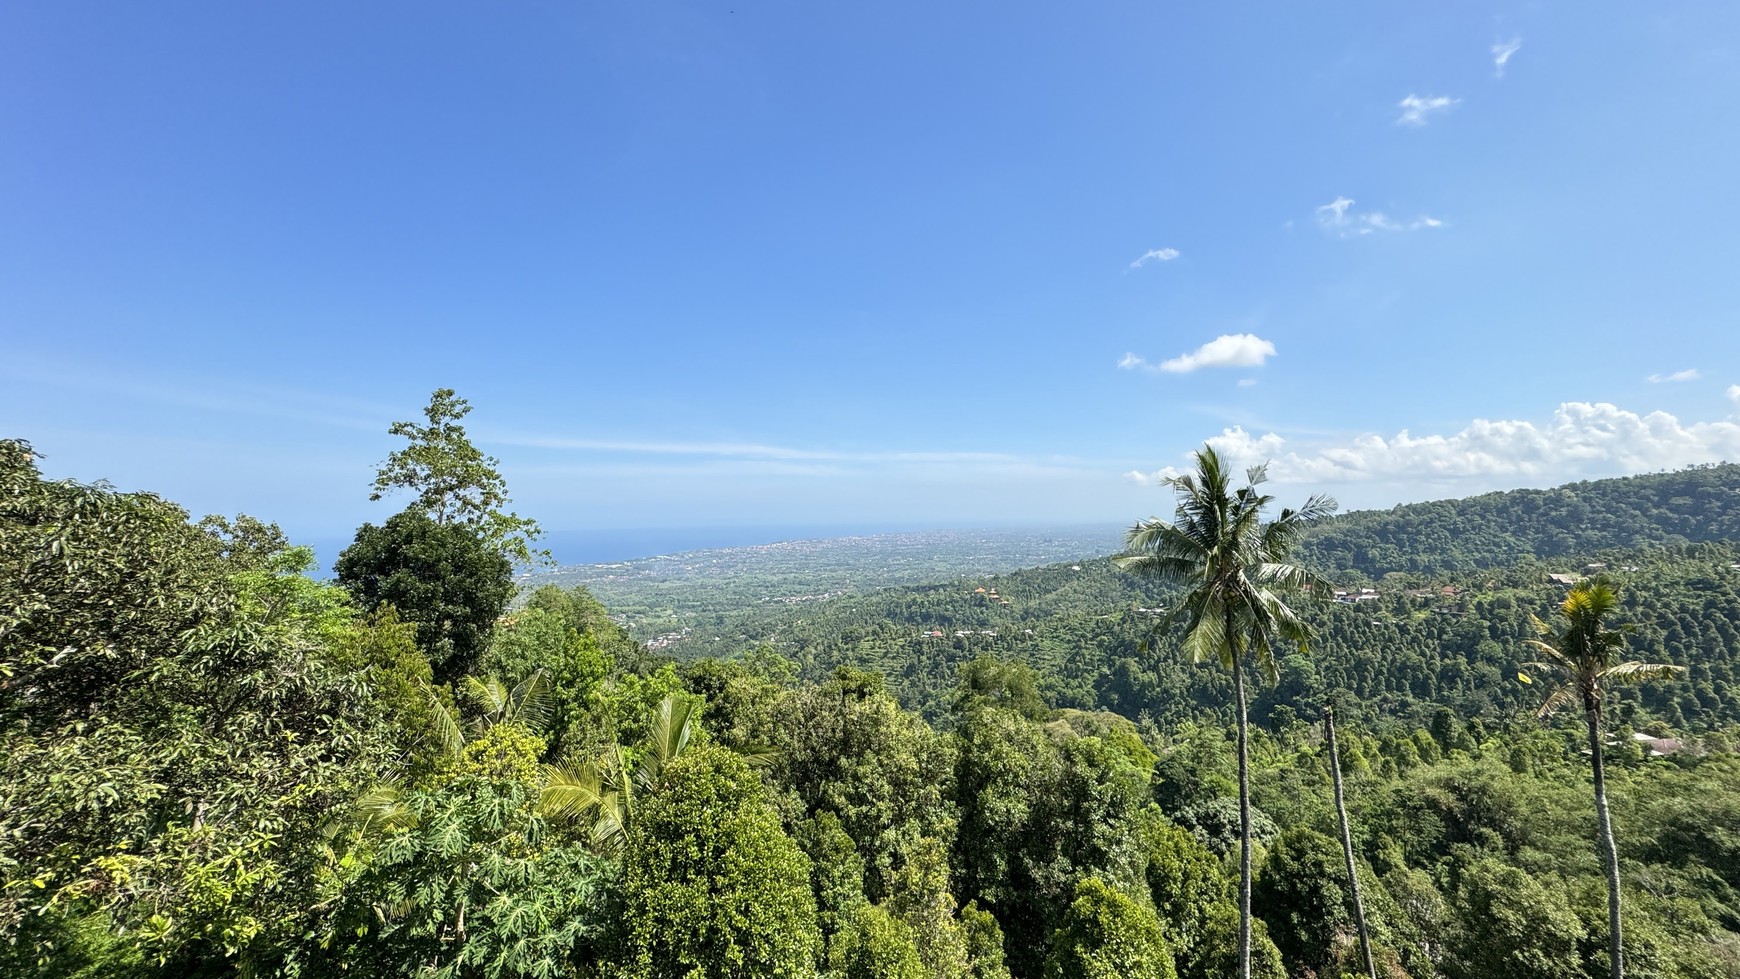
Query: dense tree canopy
(712, 886)
(173, 720)
(439, 577)
(213, 765)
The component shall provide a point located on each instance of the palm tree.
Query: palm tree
(1583, 659)
(601, 790)
(380, 809)
(1234, 567)
(598, 792)
(527, 702)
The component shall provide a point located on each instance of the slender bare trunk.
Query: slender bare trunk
(1347, 842)
(1244, 821)
(1609, 851)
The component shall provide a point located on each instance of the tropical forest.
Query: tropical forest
(1485, 738)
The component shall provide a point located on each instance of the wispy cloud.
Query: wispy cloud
(1338, 218)
(1229, 350)
(1501, 54)
(217, 398)
(1416, 108)
(1247, 382)
(1689, 374)
(1157, 255)
(733, 450)
(1581, 439)
(1334, 213)
(1734, 393)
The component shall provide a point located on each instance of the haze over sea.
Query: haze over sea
(600, 546)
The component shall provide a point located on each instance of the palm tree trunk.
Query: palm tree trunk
(1609, 851)
(1347, 843)
(1244, 820)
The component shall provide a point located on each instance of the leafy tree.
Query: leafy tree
(1185, 881)
(836, 872)
(1303, 900)
(987, 679)
(455, 483)
(1106, 935)
(920, 898)
(1512, 925)
(172, 730)
(847, 748)
(711, 886)
(1197, 767)
(1216, 955)
(382, 650)
(984, 943)
(1218, 824)
(875, 945)
(745, 705)
(1584, 659)
(441, 578)
(1234, 568)
(1004, 767)
(471, 882)
(620, 708)
(1040, 807)
(580, 611)
(534, 640)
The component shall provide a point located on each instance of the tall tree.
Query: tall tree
(443, 579)
(1583, 658)
(454, 481)
(1234, 568)
(1347, 842)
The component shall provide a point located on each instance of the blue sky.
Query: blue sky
(895, 264)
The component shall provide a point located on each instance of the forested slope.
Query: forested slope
(1687, 506)
(1448, 636)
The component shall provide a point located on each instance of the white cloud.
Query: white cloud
(1229, 350)
(1338, 218)
(1415, 109)
(1155, 478)
(1247, 382)
(1580, 440)
(1734, 393)
(1334, 213)
(1501, 53)
(1690, 374)
(1157, 255)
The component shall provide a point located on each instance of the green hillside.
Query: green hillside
(1496, 529)
(1441, 625)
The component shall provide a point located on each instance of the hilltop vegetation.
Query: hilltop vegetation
(1690, 506)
